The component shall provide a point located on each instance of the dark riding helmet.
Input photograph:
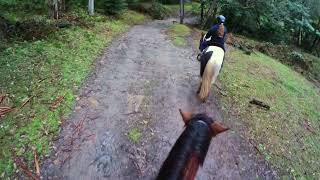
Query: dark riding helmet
(221, 19)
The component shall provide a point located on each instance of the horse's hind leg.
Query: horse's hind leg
(216, 73)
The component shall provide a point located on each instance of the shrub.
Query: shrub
(158, 11)
(296, 56)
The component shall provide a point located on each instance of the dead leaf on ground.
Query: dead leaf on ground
(93, 102)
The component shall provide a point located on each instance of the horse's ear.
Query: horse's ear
(186, 116)
(217, 128)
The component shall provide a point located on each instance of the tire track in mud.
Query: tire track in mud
(140, 83)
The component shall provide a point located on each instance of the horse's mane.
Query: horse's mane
(190, 149)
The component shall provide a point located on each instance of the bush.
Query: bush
(113, 7)
(157, 10)
(296, 56)
(298, 59)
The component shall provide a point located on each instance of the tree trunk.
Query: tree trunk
(202, 10)
(63, 5)
(91, 7)
(55, 9)
(181, 11)
(299, 37)
(316, 39)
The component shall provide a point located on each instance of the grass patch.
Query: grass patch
(134, 135)
(132, 17)
(178, 34)
(287, 134)
(302, 62)
(46, 70)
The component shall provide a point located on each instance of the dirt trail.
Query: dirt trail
(140, 83)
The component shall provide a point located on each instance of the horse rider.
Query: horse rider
(215, 36)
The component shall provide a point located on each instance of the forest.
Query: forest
(52, 52)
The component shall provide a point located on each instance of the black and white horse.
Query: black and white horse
(211, 61)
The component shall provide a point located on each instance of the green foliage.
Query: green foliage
(286, 134)
(157, 10)
(134, 135)
(288, 21)
(113, 7)
(132, 17)
(24, 4)
(296, 56)
(195, 8)
(46, 70)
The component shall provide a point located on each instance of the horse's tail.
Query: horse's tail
(206, 80)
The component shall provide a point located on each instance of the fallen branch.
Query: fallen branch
(36, 162)
(260, 103)
(66, 159)
(28, 100)
(2, 97)
(79, 126)
(25, 169)
(89, 137)
(134, 112)
(255, 146)
(223, 93)
(56, 103)
(5, 110)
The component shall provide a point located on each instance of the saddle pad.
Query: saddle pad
(205, 57)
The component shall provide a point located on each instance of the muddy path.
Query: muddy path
(126, 118)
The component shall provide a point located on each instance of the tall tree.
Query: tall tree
(91, 7)
(55, 8)
(181, 11)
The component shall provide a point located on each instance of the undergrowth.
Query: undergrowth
(288, 134)
(40, 80)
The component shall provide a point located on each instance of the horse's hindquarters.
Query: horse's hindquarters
(210, 71)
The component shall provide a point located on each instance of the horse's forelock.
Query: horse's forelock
(203, 117)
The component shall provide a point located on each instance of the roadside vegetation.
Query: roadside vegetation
(179, 33)
(42, 68)
(287, 134)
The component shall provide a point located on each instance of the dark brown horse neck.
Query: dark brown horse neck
(189, 151)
